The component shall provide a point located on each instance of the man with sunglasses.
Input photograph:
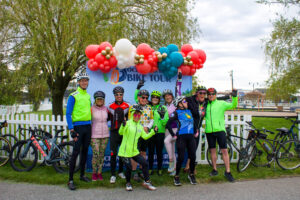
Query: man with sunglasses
(118, 111)
(215, 129)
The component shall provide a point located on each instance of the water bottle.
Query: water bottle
(42, 145)
(266, 146)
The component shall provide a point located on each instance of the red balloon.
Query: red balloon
(91, 50)
(144, 68)
(90, 62)
(194, 57)
(106, 63)
(93, 66)
(193, 71)
(101, 67)
(103, 45)
(99, 58)
(186, 48)
(144, 49)
(185, 70)
(201, 54)
(113, 62)
(183, 54)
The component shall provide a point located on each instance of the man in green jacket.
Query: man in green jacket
(131, 132)
(215, 129)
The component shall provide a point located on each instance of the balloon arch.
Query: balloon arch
(124, 54)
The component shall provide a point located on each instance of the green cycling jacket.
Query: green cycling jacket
(82, 106)
(131, 132)
(158, 121)
(214, 117)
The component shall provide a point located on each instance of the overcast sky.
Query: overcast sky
(232, 33)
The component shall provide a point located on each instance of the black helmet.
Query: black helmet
(99, 94)
(201, 87)
(136, 107)
(143, 92)
(118, 89)
(167, 91)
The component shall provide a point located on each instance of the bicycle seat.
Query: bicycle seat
(285, 130)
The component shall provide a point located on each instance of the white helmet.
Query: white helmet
(83, 76)
(177, 100)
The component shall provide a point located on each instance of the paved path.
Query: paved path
(264, 114)
(269, 189)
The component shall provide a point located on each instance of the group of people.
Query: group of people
(146, 125)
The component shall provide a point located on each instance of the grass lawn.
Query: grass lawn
(47, 174)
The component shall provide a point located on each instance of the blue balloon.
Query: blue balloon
(164, 50)
(176, 58)
(172, 47)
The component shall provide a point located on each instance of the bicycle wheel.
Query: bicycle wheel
(219, 154)
(63, 163)
(11, 139)
(288, 155)
(264, 153)
(245, 157)
(4, 151)
(23, 156)
(279, 137)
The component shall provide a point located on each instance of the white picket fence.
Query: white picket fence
(48, 123)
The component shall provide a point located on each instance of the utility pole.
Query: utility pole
(231, 75)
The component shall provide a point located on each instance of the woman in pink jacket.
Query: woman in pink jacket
(100, 134)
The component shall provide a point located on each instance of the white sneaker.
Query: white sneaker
(171, 167)
(121, 175)
(128, 187)
(172, 173)
(148, 185)
(113, 179)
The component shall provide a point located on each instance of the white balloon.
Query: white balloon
(123, 46)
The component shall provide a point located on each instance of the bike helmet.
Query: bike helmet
(83, 76)
(136, 108)
(177, 100)
(201, 87)
(212, 90)
(99, 94)
(143, 92)
(155, 93)
(118, 89)
(167, 91)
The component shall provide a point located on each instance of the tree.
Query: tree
(54, 33)
(282, 50)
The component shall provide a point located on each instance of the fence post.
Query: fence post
(299, 125)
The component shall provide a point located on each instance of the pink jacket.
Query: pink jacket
(99, 122)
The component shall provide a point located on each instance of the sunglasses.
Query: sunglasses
(211, 94)
(99, 98)
(201, 92)
(119, 95)
(144, 97)
(137, 114)
(155, 97)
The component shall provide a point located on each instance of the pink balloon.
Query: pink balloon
(91, 51)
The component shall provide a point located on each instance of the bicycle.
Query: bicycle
(9, 137)
(24, 154)
(286, 152)
(287, 134)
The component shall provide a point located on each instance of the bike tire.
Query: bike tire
(63, 165)
(245, 158)
(278, 137)
(25, 163)
(288, 155)
(11, 139)
(5, 149)
(263, 156)
(230, 154)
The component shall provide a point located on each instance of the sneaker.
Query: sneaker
(229, 176)
(192, 179)
(173, 173)
(121, 175)
(94, 177)
(136, 177)
(171, 167)
(149, 185)
(71, 185)
(213, 173)
(85, 179)
(100, 177)
(159, 172)
(128, 187)
(177, 181)
(113, 179)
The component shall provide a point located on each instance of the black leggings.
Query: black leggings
(186, 141)
(83, 141)
(156, 142)
(115, 142)
(140, 160)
